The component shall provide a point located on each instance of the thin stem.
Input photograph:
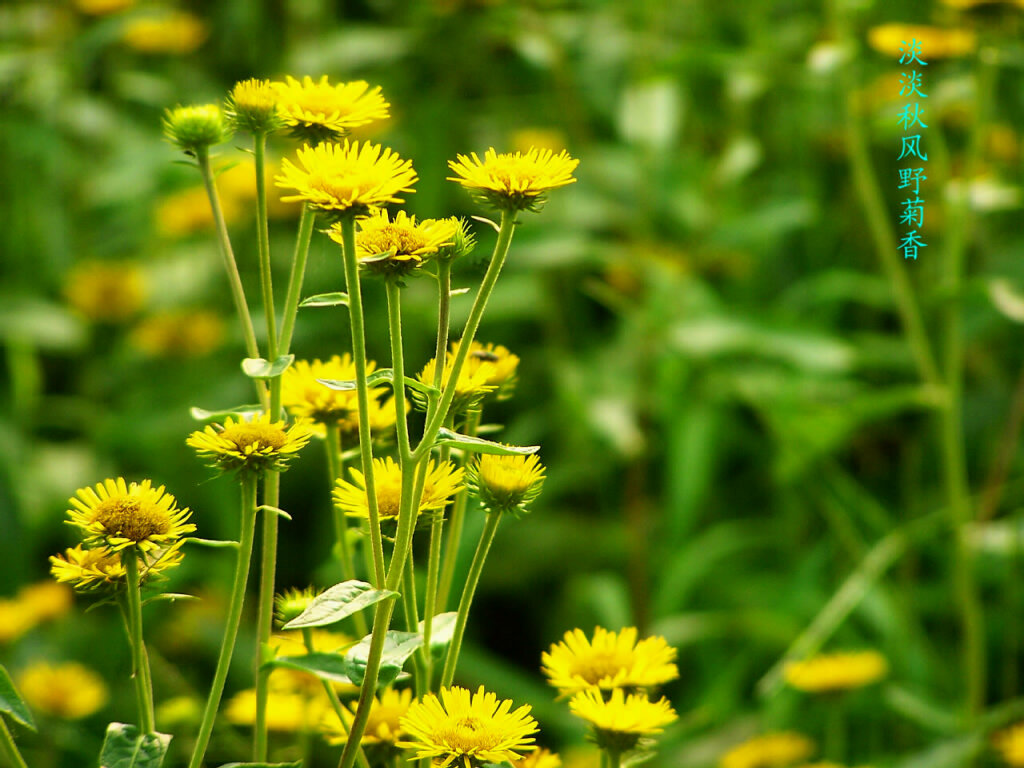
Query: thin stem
(234, 618)
(430, 599)
(11, 749)
(265, 601)
(412, 624)
(455, 526)
(614, 759)
(344, 550)
(140, 663)
(343, 716)
(355, 313)
(444, 305)
(230, 265)
(394, 294)
(295, 278)
(472, 579)
(263, 244)
(508, 225)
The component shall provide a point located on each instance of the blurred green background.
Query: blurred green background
(713, 358)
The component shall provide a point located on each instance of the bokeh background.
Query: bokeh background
(742, 452)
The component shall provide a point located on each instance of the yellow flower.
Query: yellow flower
(69, 691)
(611, 660)
(620, 721)
(251, 445)
(179, 333)
(106, 291)
(514, 181)
(116, 514)
(772, 750)
(936, 42)
(541, 758)
(442, 482)
(383, 728)
(506, 483)
(15, 620)
(470, 388)
(399, 245)
(45, 600)
(87, 570)
(175, 32)
(496, 360)
(252, 106)
(318, 111)
(179, 711)
(305, 397)
(526, 139)
(346, 178)
(836, 671)
(287, 711)
(470, 730)
(1010, 744)
(103, 7)
(188, 211)
(293, 643)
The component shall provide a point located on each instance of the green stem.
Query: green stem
(430, 599)
(263, 244)
(508, 225)
(265, 604)
(344, 550)
(444, 306)
(230, 265)
(394, 295)
(7, 741)
(140, 662)
(343, 716)
(472, 579)
(835, 729)
(234, 618)
(412, 624)
(295, 278)
(614, 759)
(455, 526)
(355, 313)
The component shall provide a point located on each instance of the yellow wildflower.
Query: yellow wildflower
(936, 42)
(102, 7)
(506, 483)
(514, 181)
(179, 333)
(620, 721)
(253, 445)
(442, 482)
(400, 245)
(772, 750)
(45, 599)
(106, 291)
(836, 671)
(541, 758)
(318, 111)
(610, 660)
(69, 691)
(1010, 744)
(175, 32)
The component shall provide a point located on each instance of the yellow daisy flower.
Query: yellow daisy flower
(179, 333)
(87, 570)
(496, 360)
(541, 758)
(15, 620)
(116, 515)
(772, 750)
(106, 291)
(610, 660)
(252, 106)
(346, 179)
(383, 728)
(174, 32)
(45, 600)
(936, 42)
(405, 242)
(622, 720)
(251, 445)
(293, 643)
(469, 730)
(1010, 744)
(506, 483)
(472, 385)
(831, 672)
(319, 111)
(514, 181)
(69, 691)
(305, 397)
(288, 711)
(443, 481)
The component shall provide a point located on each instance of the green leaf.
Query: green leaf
(441, 630)
(170, 596)
(339, 602)
(488, 222)
(333, 299)
(11, 703)
(1006, 299)
(201, 414)
(258, 368)
(398, 647)
(447, 437)
(215, 543)
(326, 666)
(125, 747)
(276, 510)
(458, 291)
(382, 256)
(378, 377)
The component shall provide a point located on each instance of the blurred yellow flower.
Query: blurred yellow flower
(514, 181)
(45, 599)
(383, 728)
(407, 242)
(621, 720)
(346, 178)
(541, 758)
(253, 445)
(836, 671)
(471, 386)
(610, 660)
(936, 42)
(318, 111)
(442, 482)
(496, 360)
(69, 691)
(179, 333)
(106, 291)
(15, 620)
(305, 397)
(187, 211)
(466, 729)
(179, 711)
(526, 139)
(287, 710)
(102, 7)
(1010, 744)
(176, 32)
(772, 750)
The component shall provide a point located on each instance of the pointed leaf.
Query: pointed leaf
(215, 543)
(479, 445)
(334, 299)
(441, 630)
(125, 747)
(201, 414)
(171, 596)
(326, 666)
(1006, 299)
(398, 647)
(382, 256)
(484, 220)
(339, 602)
(258, 368)
(458, 291)
(380, 376)
(11, 703)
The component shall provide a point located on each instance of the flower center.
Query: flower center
(131, 519)
(601, 665)
(469, 735)
(259, 436)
